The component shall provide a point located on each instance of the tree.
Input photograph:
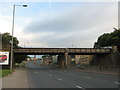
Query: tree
(108, 39)
(6, 38)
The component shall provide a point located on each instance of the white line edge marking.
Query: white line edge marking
(116, 83)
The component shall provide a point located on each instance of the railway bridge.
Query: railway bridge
(64, 53)
(76, 51)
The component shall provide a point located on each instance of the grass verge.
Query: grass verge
(4, 72)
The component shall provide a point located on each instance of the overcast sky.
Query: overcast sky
(59, 24)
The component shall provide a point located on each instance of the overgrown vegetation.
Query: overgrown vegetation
(6, 39)
(108, 39)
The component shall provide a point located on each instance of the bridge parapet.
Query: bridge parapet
(62, 50)
(39, 50)
(88, 50)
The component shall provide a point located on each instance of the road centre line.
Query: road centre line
(50, 75)
(60, 79)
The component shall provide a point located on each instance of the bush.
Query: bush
(22, 64)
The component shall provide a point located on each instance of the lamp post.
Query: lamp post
(25, 44)
(11, 61)
(74, 46)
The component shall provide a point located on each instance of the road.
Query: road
(52, 77)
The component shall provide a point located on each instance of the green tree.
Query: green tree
(6, 38)
(108, 39)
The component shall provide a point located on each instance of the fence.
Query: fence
(113, 68)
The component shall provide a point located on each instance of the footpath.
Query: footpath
(18, 79)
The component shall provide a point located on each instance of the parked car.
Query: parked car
(3, 58)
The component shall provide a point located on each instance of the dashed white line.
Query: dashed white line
(88, 77)
(60, 79)
(50, 75)
(116, 82)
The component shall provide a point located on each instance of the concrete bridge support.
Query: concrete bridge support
(61, 61)
(70, 60)
(64, 60)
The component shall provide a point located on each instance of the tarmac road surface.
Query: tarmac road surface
(51, 77)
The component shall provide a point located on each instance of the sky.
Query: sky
(59, 24)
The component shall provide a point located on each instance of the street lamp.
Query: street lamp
(25, 44)
(74, 46)
(11, 62)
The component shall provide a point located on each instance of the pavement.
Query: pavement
(18, 79)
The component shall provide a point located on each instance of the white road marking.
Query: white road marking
(60, 79)
(50, 75)
(87, 77)
(79, 87)
(116, 83)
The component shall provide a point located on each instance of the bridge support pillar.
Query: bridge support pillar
(61, 61)
(73, 60)
(66, 60)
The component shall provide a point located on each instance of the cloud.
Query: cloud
(79, 25)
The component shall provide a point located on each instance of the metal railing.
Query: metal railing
(113, 68)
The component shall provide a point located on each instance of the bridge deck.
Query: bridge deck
(61, 51)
